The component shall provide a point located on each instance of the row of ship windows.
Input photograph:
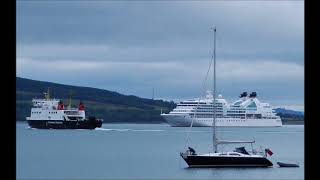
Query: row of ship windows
(223, 120)
(208, 106)
(199, 108)
(40, 112)
(198, 103)
(203, 116)
(218, 105)
(241, 117)
(207, 112)
(210, 110)
(242, 114)
(217, 109)
(206, 116)
(236, 111)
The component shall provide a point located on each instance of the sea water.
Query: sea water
(148, 151)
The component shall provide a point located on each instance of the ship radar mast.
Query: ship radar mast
(70, 94)
(47, 94)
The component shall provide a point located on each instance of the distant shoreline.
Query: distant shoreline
(111, 106)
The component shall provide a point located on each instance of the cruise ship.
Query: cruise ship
(246, 111)
(50, 113)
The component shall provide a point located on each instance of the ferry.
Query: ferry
(246, 111)
(48, 113)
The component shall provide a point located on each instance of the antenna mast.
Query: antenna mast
(47, 94)
(70, 93)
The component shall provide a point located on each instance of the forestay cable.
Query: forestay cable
(202, 90)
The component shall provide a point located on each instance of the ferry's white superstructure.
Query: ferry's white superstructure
(50, 113)
(247, 111)
(53, 110)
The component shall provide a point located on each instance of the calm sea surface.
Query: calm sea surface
(147, 151)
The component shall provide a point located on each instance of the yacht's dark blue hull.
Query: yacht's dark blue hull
(46, 124)
(216, 161)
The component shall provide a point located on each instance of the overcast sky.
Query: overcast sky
(132, 47)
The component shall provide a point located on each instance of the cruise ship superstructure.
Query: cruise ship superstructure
(246, 111)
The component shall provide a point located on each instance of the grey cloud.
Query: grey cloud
(252, 28)
(171, 78)
(133, 46)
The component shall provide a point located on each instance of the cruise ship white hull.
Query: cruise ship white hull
(178, 120)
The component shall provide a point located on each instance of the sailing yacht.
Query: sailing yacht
(237, 158)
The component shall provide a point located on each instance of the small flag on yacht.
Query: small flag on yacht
(268, 151)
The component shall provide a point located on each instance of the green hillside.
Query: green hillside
(111, 106)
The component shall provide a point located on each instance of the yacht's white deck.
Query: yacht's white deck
(229, 154)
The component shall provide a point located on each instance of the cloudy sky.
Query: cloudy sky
(133, 47)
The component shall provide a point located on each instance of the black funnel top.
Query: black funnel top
(253, 95)
(244, 94)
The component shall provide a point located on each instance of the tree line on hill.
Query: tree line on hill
(108, 105)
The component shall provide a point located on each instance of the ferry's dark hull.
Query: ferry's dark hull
(210, 161)
(85, 124)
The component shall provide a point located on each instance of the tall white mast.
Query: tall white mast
(215, 146)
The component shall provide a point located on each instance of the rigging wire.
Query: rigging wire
(202, 90)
